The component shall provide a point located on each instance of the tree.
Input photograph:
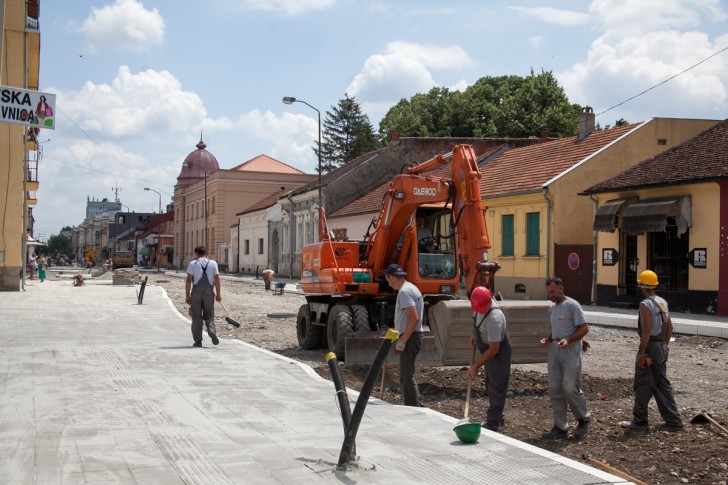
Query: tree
(59, 243)
(502, 106)
(347, 133)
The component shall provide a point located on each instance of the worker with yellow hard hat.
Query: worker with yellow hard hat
(650, 377)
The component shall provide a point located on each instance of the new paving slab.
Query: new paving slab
(99, 389)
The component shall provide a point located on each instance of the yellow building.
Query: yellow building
(19, 67)
(538, 223)
(202, 184)
(668, 214)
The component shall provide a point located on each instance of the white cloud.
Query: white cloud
(568, 18)
(287, 7)
(400, 72)
(536, 41)
(125, 25)
(461, 85)
(134, 105)
(646, 47)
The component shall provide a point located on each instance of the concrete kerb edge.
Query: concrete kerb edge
(448, 419)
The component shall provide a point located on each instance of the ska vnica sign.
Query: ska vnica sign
(25, 107)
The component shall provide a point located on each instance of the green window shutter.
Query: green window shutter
(533, 235)
(507, 239)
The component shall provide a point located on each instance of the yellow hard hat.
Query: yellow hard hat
(647, 279)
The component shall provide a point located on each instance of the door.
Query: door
(573, 264)
(628, 265)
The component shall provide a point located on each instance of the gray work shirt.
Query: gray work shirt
(564, 318)
(658, 311)
(493, 328)
(408, 296)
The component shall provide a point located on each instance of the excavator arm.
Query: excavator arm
(415, 188)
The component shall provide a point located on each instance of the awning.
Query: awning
(29, 241)
(605, 219)
(650, 215)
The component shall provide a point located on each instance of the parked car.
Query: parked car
(122, 259)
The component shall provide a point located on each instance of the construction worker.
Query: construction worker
(268, 275)
(568, 326)
(408, 315)
(202, 274)
(650, 374)
(491, 336)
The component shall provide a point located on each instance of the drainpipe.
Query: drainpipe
(549, 206)
(291, 238)
(594, 254)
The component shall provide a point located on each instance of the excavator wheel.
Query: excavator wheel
(361, 318)
(309, 335)
(340, 324)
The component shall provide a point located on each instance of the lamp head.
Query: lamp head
(289, 100)
(146, 188)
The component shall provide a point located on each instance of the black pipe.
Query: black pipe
(366, 391)
(341, 394)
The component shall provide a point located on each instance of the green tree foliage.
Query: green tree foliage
(502, 106)
(347, 133)
(59, 243)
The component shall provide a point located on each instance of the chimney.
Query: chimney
(545, 135)
(395, 135)
(586, 122)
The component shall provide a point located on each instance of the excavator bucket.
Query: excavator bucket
(361, 347)
(452, 325)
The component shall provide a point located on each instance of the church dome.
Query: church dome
(196, 164)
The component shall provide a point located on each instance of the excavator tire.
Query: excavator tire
(309, 335)
(361, 318)
(340, 324)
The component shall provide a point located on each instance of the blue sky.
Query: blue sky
(138, 80)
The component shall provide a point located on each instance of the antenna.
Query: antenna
(116, 189)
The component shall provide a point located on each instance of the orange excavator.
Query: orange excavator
(431, 225)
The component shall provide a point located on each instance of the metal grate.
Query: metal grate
(668, 256)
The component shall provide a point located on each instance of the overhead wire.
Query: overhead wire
(665, 81)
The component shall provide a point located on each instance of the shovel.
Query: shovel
(466, 431)
(228, 319)
(706, 418)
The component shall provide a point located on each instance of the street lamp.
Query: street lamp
(191, 164)
(160, 198)
(291, 100)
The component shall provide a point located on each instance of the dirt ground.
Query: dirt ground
(698, 369)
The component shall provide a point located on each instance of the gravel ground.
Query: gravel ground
(698, 369)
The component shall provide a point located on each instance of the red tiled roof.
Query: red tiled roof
(264, 203)
(703, 158)
(372, 201)
(264, 163)
(526, 169)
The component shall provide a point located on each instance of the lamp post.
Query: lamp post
(291, 100)
(160, 198)
(190, 164)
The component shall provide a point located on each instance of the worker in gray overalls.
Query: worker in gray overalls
(202, 274)
(491, 336)
(650, 374)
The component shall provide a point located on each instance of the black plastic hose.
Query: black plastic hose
(347, 449)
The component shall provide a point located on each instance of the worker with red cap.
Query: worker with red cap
(491, 336)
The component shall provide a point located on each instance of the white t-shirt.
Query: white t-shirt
(195, 269)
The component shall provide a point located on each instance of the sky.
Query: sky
(138, 81)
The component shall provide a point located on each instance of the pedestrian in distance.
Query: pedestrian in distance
(202, 275)
(490, 334)
(408, 317)
(650, 368)
(33, 262)
(568, 327)
(42, 266)
(268, 275)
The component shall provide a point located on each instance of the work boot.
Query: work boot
(633, 425)
(671, 427)
(214, 338)
(197, 344)
(582, 428)
(556, 433)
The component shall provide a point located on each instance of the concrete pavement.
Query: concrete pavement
(98, 389)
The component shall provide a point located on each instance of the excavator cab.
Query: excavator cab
(435, 244)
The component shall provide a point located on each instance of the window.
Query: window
(668, 256)
(507, 237)
(533, 234)
(247, 246)
(260, 245)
